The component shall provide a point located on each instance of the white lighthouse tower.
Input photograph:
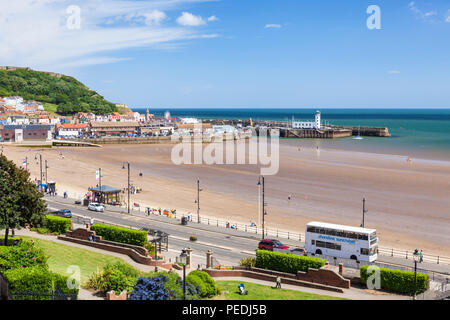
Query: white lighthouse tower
(317, 124)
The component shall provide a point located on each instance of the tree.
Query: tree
(20, 201)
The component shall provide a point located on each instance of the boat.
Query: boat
(358, 137)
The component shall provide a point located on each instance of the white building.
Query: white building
(189, 120)
(308, 125)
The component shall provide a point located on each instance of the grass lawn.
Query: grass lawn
(262, 292)
(61, 256)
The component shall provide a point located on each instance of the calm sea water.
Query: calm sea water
(420, 133)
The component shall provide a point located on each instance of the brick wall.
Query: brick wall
(270, 278)
(321, 277)
(118, 249)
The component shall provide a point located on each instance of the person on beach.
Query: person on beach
(421, 256)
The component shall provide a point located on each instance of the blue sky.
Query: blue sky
(234, 53)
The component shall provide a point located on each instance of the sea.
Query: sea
(416, 133)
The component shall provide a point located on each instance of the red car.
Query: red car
(271, 244)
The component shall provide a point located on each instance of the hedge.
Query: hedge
(286, 262)
(398, 281)
(57, 224)
(35, 280)
(122, 235)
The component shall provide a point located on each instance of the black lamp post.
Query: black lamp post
(40, 164)
(183, 259)
(416, 258)
(198, 200)
(128, 189)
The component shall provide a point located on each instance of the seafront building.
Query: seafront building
(308, 124)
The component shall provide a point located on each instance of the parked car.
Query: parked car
(299, 251)
(65, 213)
(272, 245)
(94, 206)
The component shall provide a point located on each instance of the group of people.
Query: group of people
(416, 252)
(133, 190)
(170, 213)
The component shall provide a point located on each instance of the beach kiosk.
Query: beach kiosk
(106, 195)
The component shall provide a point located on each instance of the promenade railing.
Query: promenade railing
(282, 234)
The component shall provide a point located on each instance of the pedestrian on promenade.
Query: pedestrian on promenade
(92, 221)
(421, 255)
(278, 286)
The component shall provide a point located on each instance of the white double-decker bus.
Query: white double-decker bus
(341, 241)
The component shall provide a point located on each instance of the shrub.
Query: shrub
(36, 280)
(23, 255)
(210, 284)
(248, 262)
(286, 262)
(42, 230)
(398, 281)
(198, 283)
(117, 277)
(57, 224)
(119, 234)
(151, 289)
(150, 247)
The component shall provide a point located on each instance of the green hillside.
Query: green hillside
(69, 95)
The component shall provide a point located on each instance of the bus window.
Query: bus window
(313, 242)
(365, 251)
(373, 235)
(373, 250)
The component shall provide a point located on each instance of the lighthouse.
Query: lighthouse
(317, 124)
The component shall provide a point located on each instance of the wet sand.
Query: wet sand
(408, 203)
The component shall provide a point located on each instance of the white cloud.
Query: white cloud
(272, 25)
(37, 35)
(448, 17)
(188, 19)
(394, 72)
(419, 13)
(154, 17)
(213, 18)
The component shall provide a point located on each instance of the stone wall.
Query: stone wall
(108, 246)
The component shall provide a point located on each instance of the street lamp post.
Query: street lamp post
(263, 208)
(183, 259)
(128, 189)
(46, 176)
(416, 258)
(40, 165)
(364, 211)
(198, 200)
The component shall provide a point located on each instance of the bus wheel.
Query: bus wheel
(318, 251)
(353, 257)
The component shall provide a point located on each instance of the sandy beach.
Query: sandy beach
(408, 202)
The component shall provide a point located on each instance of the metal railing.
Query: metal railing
(54, 295)
(277, 233)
